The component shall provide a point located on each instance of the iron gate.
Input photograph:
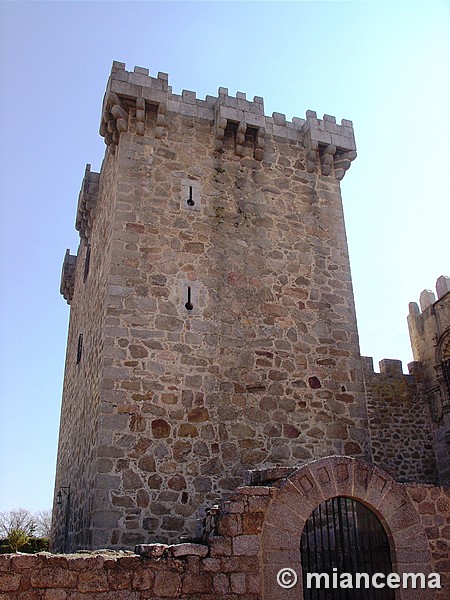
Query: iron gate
(344, 535)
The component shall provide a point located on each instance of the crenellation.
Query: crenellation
(414, 310)
(278, 118)
(427, 298)
(391, 367)
(442, 286)
(189, 97)
(141, 70)
(298, 123)
(68, 276)
(315, 134)
(87, 201)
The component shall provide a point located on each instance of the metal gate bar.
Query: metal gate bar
(345, 535)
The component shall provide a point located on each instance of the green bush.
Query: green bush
(31, 547)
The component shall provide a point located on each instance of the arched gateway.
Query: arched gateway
(343, 535)
(337, 515)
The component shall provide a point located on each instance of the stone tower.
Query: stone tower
(429, 329)
(212, 321)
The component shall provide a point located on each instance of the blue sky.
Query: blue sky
(384, 65)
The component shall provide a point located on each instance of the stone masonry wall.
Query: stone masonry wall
(230, 330)
(399, 423)
(254, 534)
(429, 330)
(433, 507)
(78, 437)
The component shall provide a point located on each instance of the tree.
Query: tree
(17, 526)
(43, 519)
(17, 538)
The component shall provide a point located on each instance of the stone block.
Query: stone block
(53, 577)
(221, 583)
(197, 584)
(142, 579)
(219, 546)
(55, 595)
(24, 562)
(92, 582)
(188, 550)
(151, 550)
(167, 584)
(246, 545)
(10, 582)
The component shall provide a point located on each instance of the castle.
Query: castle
(213, 337)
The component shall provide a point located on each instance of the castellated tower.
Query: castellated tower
(429, 329)
(212, 322)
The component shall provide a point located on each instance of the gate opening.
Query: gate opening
(346, 535)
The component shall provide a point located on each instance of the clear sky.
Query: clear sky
(384, 65)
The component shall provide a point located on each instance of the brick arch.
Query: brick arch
(320, 480)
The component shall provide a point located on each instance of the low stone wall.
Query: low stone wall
(179, 573)
(227, 567)
(249, 538)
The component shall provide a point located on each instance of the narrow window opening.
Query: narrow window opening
(229, 139)
(189, 305)
(250, 135)
(79, 348)
(87, 262)
(190, 200)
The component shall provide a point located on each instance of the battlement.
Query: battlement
(131, 96)
(428, 298)
(429, 325)
(388, 366)
(68, 276)
(87, 200)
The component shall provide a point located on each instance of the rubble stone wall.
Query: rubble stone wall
(400, 425)
(254, 534)
(78, 435)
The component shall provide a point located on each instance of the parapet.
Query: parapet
(131, 95)
(428, 298)
(87, 201)
(388, 366)
(429, 325)
(68, 276)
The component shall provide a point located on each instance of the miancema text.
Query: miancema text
(377, 580)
